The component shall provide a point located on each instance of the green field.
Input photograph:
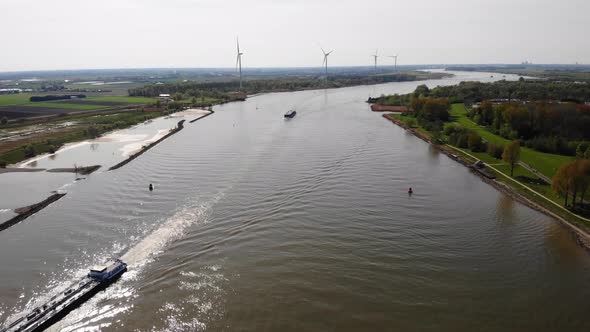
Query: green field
(546, 163)
(15, 99)
(15, 105)
(23, 99)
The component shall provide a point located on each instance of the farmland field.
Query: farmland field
(15, 106)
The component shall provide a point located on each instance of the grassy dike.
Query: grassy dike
(524, 186)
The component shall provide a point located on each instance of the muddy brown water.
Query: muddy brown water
(258, 223)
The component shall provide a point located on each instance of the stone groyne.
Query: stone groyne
(178, 128)
(27, 211)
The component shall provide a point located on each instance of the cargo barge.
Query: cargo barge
(61, 304)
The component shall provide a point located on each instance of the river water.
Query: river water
(258, 223)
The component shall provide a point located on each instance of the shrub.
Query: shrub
(474, 141)
(495, 150)
(29, 151)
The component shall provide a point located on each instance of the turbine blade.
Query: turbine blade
(237, 61)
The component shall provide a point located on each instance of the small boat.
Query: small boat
(290, 114)
(410, 191)
(61, 304)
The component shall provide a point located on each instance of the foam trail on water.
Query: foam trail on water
(97, 313)
(172, 229)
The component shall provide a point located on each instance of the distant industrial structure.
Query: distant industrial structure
(239, 62)
(375, 56)
(10, 91)
(325, 63)
(395, 63)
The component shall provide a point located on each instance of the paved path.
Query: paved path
(537, 173)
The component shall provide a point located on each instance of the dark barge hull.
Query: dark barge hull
(56, 316)
(74, 305)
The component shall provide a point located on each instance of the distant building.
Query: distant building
(237, 95)
(10, 91)
(165, 97)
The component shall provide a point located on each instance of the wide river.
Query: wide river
(258, 223)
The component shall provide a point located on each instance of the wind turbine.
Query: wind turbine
(375, 56)
(239, 61)
(395, 57)
(325, 63)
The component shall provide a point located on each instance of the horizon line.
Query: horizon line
(288, 67)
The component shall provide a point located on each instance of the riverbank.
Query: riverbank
(507, 185)
(178, 128)
(27, 142)
(145, 148)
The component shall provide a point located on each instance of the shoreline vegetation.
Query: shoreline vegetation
(513, 158)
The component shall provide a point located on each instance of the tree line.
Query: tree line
(573, 180)
(220, 89)
(472, 92)
(54, 97)
(544, 126)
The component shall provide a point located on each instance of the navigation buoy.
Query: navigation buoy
(151, 187)
(410, 191)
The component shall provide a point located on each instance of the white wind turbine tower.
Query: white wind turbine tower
(325, 63)
(239, 61)
(375, 56)
(395, 63)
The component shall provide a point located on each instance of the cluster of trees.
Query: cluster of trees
(54, 97)
(465, 138)
(470, 139)
(546, 126)
(583, 150)
(431, 109)
(471, 92)
(392, 100)
(192, 89)
(543, 126)
(573, 179)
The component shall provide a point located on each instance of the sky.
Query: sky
(84, 34)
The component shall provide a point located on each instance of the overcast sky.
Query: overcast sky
(80, 34)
